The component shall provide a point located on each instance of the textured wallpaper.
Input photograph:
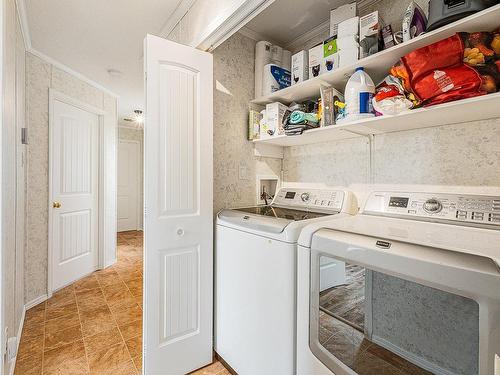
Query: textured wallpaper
(233, 90)
(13, 191)
(40, 76)
(460, 154)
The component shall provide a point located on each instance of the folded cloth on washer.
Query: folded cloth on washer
(295, 129)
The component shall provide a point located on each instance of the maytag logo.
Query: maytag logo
(383, 244)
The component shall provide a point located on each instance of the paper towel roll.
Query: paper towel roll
(276, 55)
(274, 78)
(286, 61)
(262, 58)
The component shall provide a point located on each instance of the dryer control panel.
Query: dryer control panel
(310, 199)
(455, 207)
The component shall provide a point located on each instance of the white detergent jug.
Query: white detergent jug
(358, 96)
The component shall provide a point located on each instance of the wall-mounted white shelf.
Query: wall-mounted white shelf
(378, 65)
(466, 110)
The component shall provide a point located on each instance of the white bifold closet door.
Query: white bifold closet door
(178, 223)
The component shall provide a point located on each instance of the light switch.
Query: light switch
(243, 172)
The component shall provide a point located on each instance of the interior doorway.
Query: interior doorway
(129, 197)
(74, 184)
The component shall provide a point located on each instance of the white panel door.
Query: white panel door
(74, 187)
(178, 204)
(128, 185)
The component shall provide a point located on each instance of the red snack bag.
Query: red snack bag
(448, 84)
(436, 73)
(445, 53)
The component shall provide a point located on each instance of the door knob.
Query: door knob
(56, 204)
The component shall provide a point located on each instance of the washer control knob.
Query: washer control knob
(305, 197)
(433, 206)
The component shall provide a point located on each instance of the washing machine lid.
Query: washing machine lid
(482, 242)
(268, 219)
(281, 212)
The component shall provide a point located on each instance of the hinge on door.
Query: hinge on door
(24, 136)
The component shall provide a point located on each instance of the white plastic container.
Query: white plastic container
(358, 96)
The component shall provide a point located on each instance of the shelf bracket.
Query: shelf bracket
(370, 163)
(268, 151)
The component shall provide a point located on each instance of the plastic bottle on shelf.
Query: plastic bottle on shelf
(358, 96)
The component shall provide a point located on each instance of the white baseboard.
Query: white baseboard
(35, 302)
(411, 357)
(19, 334)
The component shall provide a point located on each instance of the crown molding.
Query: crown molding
(232, 21)
(176, 16)
(23, 21)
(68, 70)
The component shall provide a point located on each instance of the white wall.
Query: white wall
(40, 76)
(13, 194)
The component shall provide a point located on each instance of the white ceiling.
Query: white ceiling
(279, 21)
(92, 36)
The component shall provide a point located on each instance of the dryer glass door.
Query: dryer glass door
(371, 321)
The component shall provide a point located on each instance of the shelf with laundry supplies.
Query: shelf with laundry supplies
(464, 110)
(377, 65)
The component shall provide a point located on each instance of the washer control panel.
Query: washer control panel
(455, 207)
(310, 199)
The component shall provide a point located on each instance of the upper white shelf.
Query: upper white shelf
(378, 65)
(466, 110)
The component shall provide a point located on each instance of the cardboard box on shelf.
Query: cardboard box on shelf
(368, 34)
(330, 55)
(274, 120)
(316, 61)
(300, 67)
(340, 14)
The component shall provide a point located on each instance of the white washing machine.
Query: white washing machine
(255, 282)
(431, 272)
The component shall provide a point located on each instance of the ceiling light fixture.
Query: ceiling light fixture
(139, 118)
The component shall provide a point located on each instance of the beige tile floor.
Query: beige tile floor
(93, 326)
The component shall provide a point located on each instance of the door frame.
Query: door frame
(139, 182)
(55, 95)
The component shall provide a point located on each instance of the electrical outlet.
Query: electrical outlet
(11, 348)
(243, 172)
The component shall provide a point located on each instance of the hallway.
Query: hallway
(93, 326)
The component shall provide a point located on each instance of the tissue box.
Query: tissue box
(368, 34)
(340, 14)
(316, 61)
(300, 67)
(274, 120)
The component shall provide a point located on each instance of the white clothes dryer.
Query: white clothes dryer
(431, 293)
